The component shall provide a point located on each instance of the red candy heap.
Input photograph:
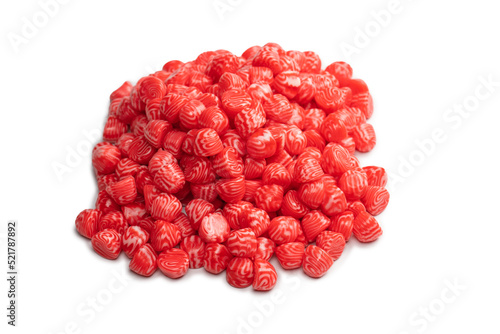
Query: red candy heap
(259, 149)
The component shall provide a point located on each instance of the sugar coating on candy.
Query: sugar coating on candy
(225, 161)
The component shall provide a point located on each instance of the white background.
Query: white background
(441, 225)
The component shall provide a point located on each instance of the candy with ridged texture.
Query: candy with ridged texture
(269, 197)
(172, 142)
(240, 272)
(261, 144)
(205, 191)
(164, 235)
(366, 228)
(251, 187)
(293, 206)
(113, 220)
(142, 178)
(141, 151)
(128, 108)
(217, 258)
(105, 180)
(190, 113)
(375, 199)
(283, 229)
(349, 144)
(307, 169)
(287, 83)
(312, 62)
(133, 239)
(155, 132)
(313, 224)
(376, 176)
(171, 105)
(295, 141)
(134, 212)
(165, 207)
(114, 129)
(194, 247)
(353, 183)
(343, 224)
(307, 89)
(364, 137)
(207, 143)
(233, 139)
(333, 128)
(227, 163)
(242, 243)
(198, 170)
(221, 63)
(126, 167)
(196, 210)
(254, 168)
(158, 160)
(312, 193)
(341, 70)
(173, 263)
(260, 74)
(231, 190)
(364, 102)
(105, 203)
(231, 81)
(331, 242)
(268, 58)
(336, 159)
(105, 157)
(265, 249)
(184, 225)
(87, 222)
(124, 191)
(315, 139)
(334, 201)
(214, 228)
(316, 261)
(265, 276)
(214, 118)
(235, 214)
(235, 100)
(276, 173)
(124, 142)
(257, 219)
(147, 224)
(107, 243)
(151, 88)
(249, 120)
(331, 99)
(153, 109)
(356, 207)
(290, 255)
(144, 261)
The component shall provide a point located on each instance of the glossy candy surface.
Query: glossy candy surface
(225, 161)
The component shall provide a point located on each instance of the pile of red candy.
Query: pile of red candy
(258, 149)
